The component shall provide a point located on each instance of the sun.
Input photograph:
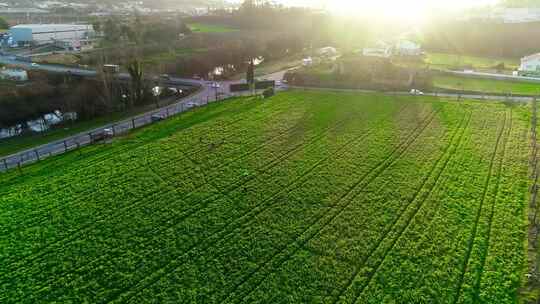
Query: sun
(408, 10)
(399, 9)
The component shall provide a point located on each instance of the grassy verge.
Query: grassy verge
(485, 85)
(170, 56)
(210, 28)
(62, 59)
(453, 60)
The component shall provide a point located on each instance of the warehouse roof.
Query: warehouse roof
(52, 27)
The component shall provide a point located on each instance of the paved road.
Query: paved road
(208, 92)
(47, 67)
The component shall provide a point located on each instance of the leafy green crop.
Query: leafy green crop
(304, 197)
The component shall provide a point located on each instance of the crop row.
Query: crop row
(132, 196)
(336, 239)
(431, 253)
(203, 127)
(120, 179)
(265, 238)
(153, 210)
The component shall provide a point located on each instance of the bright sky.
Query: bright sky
(403, 9)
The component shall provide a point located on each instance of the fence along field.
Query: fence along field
(307, 197)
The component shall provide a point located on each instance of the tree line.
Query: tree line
(483, 38)
(139, 31)
(89, 97)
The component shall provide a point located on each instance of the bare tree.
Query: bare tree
(135, 70)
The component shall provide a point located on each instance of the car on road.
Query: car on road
(35, 64)
(157, 117)
(101, 135)
(416, 92)
(165, 77)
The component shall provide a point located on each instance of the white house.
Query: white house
(408, 48)
(530, 65)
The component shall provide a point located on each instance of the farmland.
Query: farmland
(485, 85)
(210, 28)
(453, 60)
(308, 197)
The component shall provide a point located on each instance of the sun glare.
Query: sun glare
(402, 9)
(411, 10)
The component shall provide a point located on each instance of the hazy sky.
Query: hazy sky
(407, 9)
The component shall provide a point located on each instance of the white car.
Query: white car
(416, 92)
(108, 132)
(34, 64)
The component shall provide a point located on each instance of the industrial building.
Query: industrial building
(39, 34)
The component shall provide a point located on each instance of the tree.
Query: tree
(135, 70)
(250, 75)
(3, 24)
(128, 34)
(111, 30)
(97, 26)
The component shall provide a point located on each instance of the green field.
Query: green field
(171, 56)
(210, 28)
(308, 197)
(454, 60)
(486, 85)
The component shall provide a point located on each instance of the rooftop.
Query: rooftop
(49, 26)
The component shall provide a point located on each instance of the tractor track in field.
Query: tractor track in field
(103, 157)
(268, 165)
(470, 243)
(449, 156)
(483, 257)
(431, 221)
(328, 222)
(248, 216)
(32, 221)
(138, 202)
(297, 243)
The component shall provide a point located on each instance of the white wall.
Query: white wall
(47, 33)
(532, 65)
